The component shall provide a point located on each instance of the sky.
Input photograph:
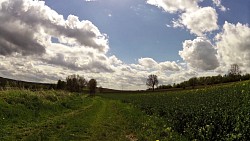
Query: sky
(120, 42)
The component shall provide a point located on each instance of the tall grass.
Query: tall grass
(23, 108)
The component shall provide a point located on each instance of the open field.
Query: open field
(216, 113)
(59, 115)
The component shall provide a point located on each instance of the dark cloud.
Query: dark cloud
(93, 65)
(22, 41)
(24, 25)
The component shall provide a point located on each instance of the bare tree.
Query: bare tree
(152, 81)
(234, 70)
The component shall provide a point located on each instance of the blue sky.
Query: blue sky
(137, 29)
(120, 43)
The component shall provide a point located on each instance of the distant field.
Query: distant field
(215, 113)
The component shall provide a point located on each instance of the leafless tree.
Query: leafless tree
(152, 81)
(234, 70)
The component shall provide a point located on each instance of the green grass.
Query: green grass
(215, 113)
(59, 115)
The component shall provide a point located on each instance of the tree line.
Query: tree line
(233, 75)
(73, 83)
(76, 83)
(6, 83)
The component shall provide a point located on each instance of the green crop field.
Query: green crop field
(214, 113)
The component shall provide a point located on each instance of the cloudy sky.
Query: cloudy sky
(121, 42)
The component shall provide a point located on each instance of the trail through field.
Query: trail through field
(97, 119)
(64, 116)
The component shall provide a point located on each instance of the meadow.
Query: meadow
(211, 113)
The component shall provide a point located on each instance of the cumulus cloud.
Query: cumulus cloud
(79, 59)
(37, 21)
(27, 52)
(149, 63)
(233, 44)
(26, 30)
(169, 66)
(199, 21)
(175, 6)
(199, 54)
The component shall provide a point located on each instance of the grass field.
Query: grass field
(216, 113)
(59, 115)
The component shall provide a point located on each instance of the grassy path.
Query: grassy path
(81, 118)
(53, 116)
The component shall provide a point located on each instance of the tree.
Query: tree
(61, 84)
(152, 81)
(234, 72)
(75, 83)
(92, 86)
(193, 82)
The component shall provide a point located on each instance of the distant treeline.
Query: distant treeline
(6, 83)
(73, 83)
(205, 81)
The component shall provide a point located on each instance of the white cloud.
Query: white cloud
(148, 62)
(182, 76)
(172, 6)
(90, 0)
(218, 4)
(151, 64)
(169, 66)
(81, 49)
(114, 60)
(233, 44)
(199, 54)
(199, 21)
(27, 52)
(26, 30)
